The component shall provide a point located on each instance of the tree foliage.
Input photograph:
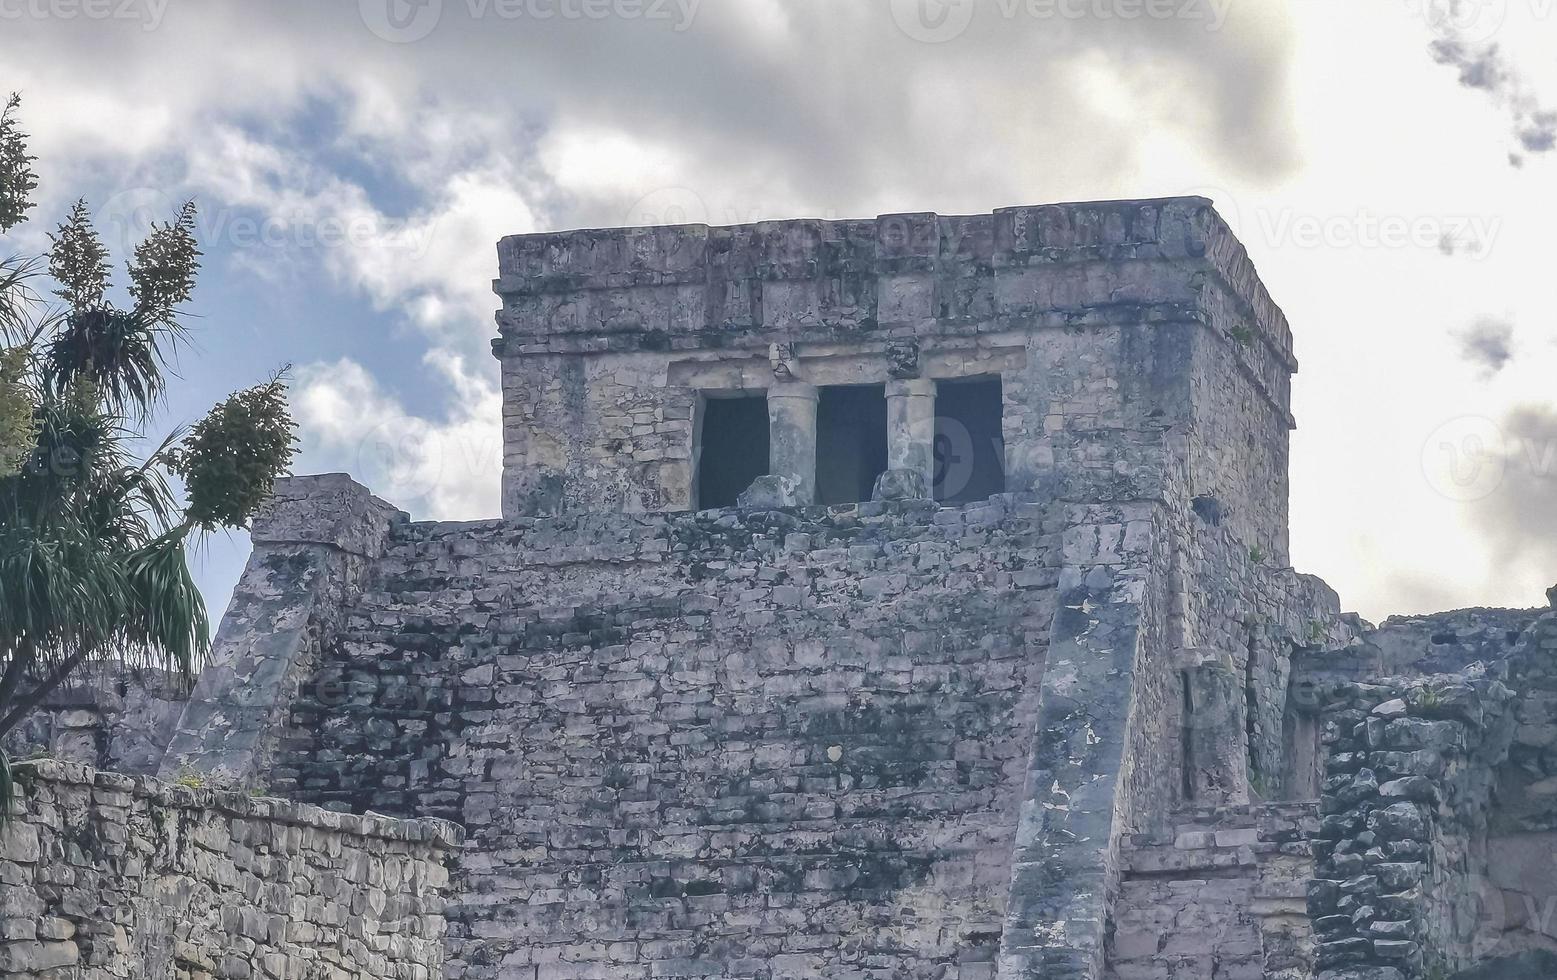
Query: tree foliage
(17, 181)
(228, 457)
(18, 429)
(93, 537)
(162, 275)
(79, 261)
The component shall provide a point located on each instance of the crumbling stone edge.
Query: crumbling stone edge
(423, 830)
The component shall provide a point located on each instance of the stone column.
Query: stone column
(1215, 732)
(792, 436)
(911, 428)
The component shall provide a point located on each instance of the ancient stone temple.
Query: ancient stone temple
(899, 598)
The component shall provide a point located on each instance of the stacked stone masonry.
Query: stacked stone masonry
(790, 743)
(1089, 726)
(107, 876)
(1222, 895)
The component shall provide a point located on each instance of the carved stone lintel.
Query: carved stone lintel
(903, 359)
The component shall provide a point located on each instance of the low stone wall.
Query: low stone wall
(107, 876)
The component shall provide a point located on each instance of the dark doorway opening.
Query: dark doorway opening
(851, 442)
(732, 447)
(970, 453)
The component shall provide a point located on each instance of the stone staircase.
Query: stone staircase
(1223, 897)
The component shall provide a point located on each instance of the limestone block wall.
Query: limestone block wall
(555, 685)
(1435, 851)
(1099, 750)
(104, 876)
(314, 544)
(110, 717)
(1257, 617)
(1517, 895)
(1400, 849)
(788, 742)
(1222, 893)
(1117, 328)
(888, 738)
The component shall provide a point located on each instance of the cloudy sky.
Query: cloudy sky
(1390, 165)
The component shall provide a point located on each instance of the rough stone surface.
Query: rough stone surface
(901, 484)
(1090, 727)
(802, 735)
(884, 738)
(117, 718)
(1534, 965)
(1434, 850)
(769, 493)
(1092, 314)
(313, 545)
(1222, 894)
(104, 877)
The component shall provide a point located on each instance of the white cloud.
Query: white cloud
(436, 469)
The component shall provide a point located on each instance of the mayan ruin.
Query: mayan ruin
(893, 599)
